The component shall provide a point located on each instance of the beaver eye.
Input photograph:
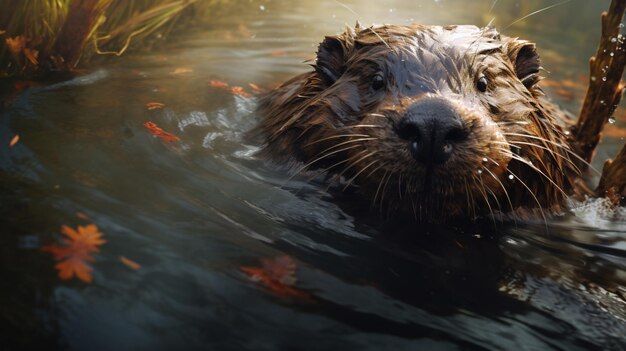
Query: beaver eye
(481, 84)
(378, 82)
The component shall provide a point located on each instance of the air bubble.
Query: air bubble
(604, 79)
(485, 159)
(612, 54)
(511, 177)
(612, 120)
(613, 40)
(480, 171)
(262, 8)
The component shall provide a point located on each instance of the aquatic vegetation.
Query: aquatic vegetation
(57, 35)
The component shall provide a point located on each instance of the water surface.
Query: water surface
(193, 212)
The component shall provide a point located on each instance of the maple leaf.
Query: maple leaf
(160, 133)
(278, 276)
(77, 245)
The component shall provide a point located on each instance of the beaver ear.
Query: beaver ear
(331, 56)
(523, 55)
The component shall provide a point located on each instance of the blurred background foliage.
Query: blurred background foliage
(40, 36)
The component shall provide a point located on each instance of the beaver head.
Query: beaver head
(435, 121)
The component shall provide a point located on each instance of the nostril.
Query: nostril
(456, 135)
(409, 130)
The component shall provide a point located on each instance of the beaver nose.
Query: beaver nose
(434, 129)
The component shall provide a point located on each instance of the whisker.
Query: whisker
(379, 37)
(506, 193)
(366, 126)
(356, 175)
(354, 163)
(338, 136)
(553, 153)
(380, 184)
(377, 115)
(529, 164)
(562, 146)
(536, 12)
(545, 220)
(382, 195)
(317, 160)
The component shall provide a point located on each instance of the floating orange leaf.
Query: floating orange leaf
(154, 105)
(278, 276)
(14, 141)
(130, 263)
(218, 84)
(235, 90)
(182, 70)
(255, 88)
(76, 248)
(239, 91)
(160, 133)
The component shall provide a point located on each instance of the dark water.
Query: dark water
(191, 213)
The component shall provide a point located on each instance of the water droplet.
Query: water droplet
(511, 177)
(612, 54)
(612, 120)
(602, 102)
(613, 40)
(485, 159)
(262, 8)
(480, 171)
(604, 79)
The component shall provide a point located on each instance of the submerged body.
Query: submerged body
(437, 122)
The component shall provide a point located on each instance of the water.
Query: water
(193, 212)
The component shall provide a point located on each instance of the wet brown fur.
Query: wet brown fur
(517, 155)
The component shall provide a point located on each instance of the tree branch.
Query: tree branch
(605, 88)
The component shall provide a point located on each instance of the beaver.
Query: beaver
(440, 122)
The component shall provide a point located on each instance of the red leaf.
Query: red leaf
(160, 133)
(278, 276)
